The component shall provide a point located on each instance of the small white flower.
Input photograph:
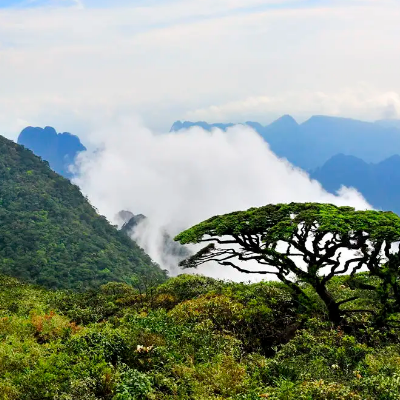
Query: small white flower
(139, 348)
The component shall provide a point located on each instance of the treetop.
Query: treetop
(276, 222)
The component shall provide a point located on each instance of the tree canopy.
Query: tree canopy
(304, 243)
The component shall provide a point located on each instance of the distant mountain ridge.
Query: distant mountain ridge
(379, 183)
(58, 149)
(310, 144)
(178, 125)
(389, 123)
(335, 151)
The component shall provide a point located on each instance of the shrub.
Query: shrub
(133, 385)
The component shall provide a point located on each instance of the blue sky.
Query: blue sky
(86, 3)
(215, 60)
(30, 3)
(149, 3)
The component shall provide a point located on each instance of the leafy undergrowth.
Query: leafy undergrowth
(190, 338)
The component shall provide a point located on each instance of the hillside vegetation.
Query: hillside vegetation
(190, 338)
(52, 236)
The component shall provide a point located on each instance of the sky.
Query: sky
(68, 63)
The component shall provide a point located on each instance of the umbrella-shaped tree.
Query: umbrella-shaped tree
(303, 243)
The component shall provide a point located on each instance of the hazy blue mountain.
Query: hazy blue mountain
(379, 183)
(310, 144)
(323, 137)
(58, 149)
(178, 125)
(389, 123)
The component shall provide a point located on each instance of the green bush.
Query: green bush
(219, 341)
(133, 385)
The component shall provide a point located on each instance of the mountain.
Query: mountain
(310, 144)
(50, 234)
(132, 222)
(389, 123)
(178, 125)
(171, 252)
(322, 137)
(59, 149)
(379, 183)
(123, 217)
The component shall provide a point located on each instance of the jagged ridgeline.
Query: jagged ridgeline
(50, 234)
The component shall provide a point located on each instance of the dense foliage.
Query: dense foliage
(190, 338)
(304, 243)
(51, 235)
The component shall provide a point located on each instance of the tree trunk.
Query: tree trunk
(333, 308)
(297, 292)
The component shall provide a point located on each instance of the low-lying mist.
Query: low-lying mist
(179, 179)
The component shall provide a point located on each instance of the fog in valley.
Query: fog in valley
(179, 179)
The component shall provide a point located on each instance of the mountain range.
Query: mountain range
(334, 151)
(310, 144)
(379, 183)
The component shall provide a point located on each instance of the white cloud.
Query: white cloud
(23, 4)
(180, 179)
(360, 102)
(79, 4)
(166, 59)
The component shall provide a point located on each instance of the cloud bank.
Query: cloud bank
(357, 102)
(180, 179)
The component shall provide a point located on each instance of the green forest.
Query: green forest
(191, 337)
(52, 236)
(86, 314)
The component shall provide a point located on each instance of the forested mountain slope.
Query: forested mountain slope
(52, 236)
